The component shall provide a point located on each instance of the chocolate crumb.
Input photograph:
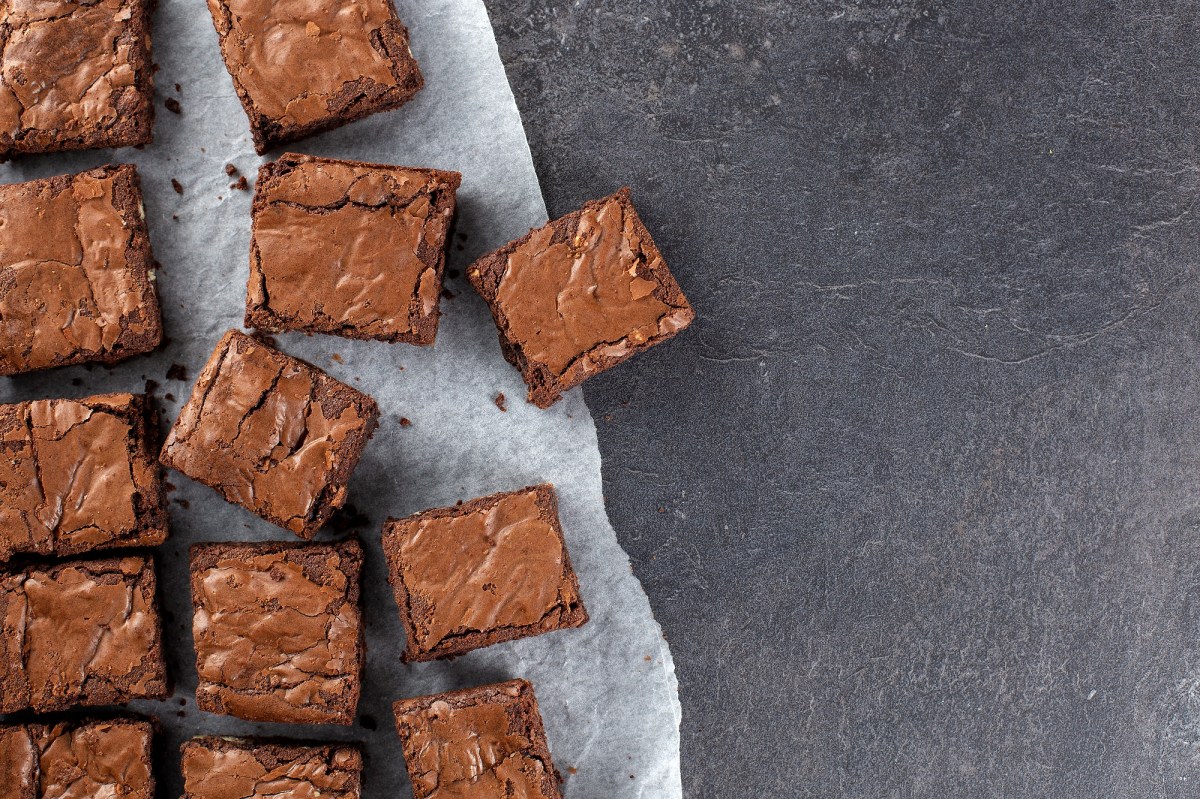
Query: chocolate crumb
(337, 358)
(168, 485)
(572, 770)
(347, 518)
(501, 402)
(175, 217)
(177, 186)
(183, 503)
(404, 422)
(447, 294)
(177, 371)
(177, 88)
(231, 170)
(169, 397)
(368, 722)
(151, 386)
(173, 105)
(241, 184)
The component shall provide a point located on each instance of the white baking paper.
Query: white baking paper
(607, 691)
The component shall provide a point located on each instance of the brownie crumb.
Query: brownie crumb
(177, 186)
(231, 170)
(173, 106)
(368, 722)
(177, 371)
(501, 402)
(175, 217)
(151, 386)
(241, 184)
(347, 518)
(336, 358)
(183, 503)
(75, 381)
(167, 484)
(572, 770)
(169, 397)
(447, 294)
(405, 422)
(177, 88)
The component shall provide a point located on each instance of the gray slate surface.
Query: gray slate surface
(929, 463)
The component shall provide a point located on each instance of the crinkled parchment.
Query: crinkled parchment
(607, 691)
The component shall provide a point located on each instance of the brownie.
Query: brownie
(83, 632)
(230, 768)
(579, 296)
(307, 66)
(278, 630)
(74, 76)
(490, 570)
(349, 249)
(76, 277)
(79, 475)
(479, 743)
(271, 433)
(106, 759)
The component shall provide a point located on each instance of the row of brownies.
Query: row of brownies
(281, 438)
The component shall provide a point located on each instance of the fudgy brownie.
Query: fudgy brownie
(74, 76)
(76, 276)
(229, 768)
(479, 743)
(79, 475)
(306, 66)
(78, 759)
(490, 570)
(84, 632)
(579, 296)
(271, 433)
(278, 630)
(348, 248)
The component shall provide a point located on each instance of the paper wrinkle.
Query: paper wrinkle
(607, 690)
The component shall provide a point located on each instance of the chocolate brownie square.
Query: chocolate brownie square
(76, 276)
(271, 433)
(490, 570)
(278, 630)
(304, 67)
(84, 632)
(74, 75)
(78, 759)
(479, 743)
(79, 475)
(225, 768)
(579, 296)
(349, 249)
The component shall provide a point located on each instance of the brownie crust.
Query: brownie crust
(499, 731)
(491, 570)
(349, 248)
(76, 273)
(75, 77)
(85, 632)
(271, 433)
(579, 296)
(278, 630)
(80, 475)
(342, 66)
(229, 768)
(71, 760)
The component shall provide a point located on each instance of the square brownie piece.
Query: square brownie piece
(490, 570)
(579, 296)
(84, 632)
(223, 768)
(479, 743)
(74, 75)
(79, 475)
(271, 433)
(278, 630)
(76, 274)
(77, 759)
(301, 68)
(349, 249)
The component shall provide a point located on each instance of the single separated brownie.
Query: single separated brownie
(490, 570)
(271, 433)
(579, 296)
(74, 75)
(231, 768)
(84, 632)
(78, 475)
(76, 277)
(108, 759)
(348, 248)
(480, 743)
(278, 631)
(304, 67)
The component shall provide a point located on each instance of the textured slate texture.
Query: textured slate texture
(917, 500)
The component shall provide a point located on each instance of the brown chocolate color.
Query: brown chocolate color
(579, 296)
(235, 768)
(349, 249)
(307, 66)
(77, 760)
(74, 75)
(271, 433)
(76, 273)
(84, 632)
(80, 475)
(278, 630)
(490, 570)
(479, 743)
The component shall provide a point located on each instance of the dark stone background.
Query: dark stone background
(917, 500)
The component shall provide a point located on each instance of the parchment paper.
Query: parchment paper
(607, 691)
